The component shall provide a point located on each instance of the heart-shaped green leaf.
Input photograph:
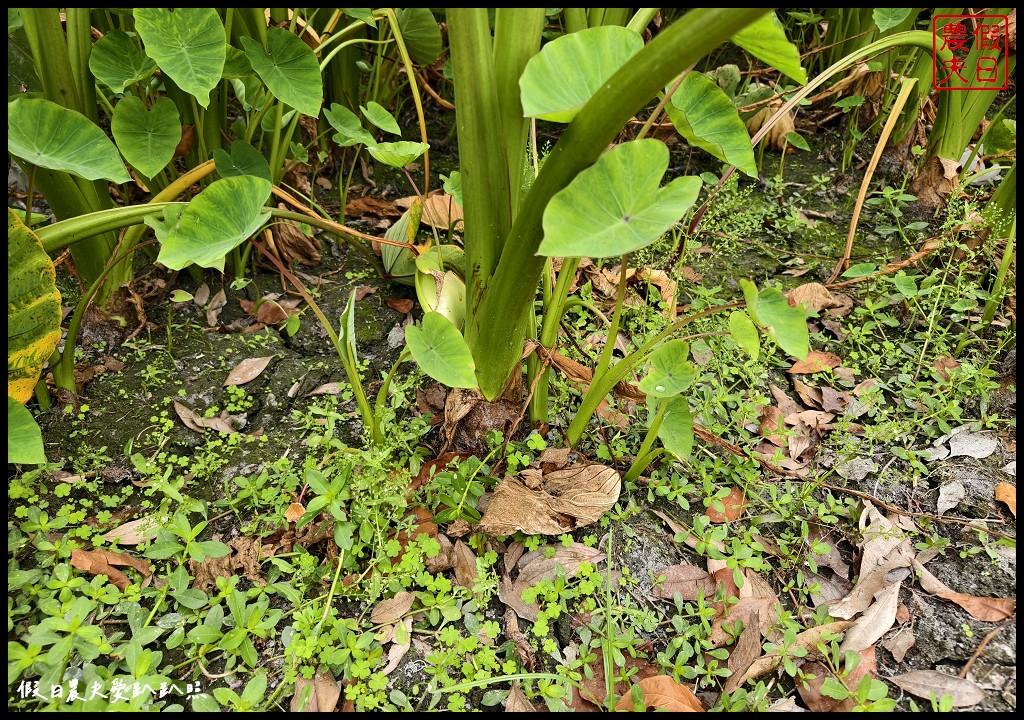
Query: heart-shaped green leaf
(706, 117)
(349, 127)
(289, 68)
(421, 34)
(765, 39)
(397, 154)
(219, 218)
(670, 372)
(118, 62)
(785, 324)
(33, 309)
(24, 439)
(188, 44)
(45, 134)
(379, 116)
(615, 206)
(744, 333)
(888, 18)
(243, 160)
(146, 138)
(441, 351)
(559, 80)
(564, 75)
(676, 431)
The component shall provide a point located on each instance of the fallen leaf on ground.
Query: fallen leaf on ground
(975, 445)
(810, 690)
(950, 496)
(981, 608)
(217, 303)
(331, 388)
(325, 694)
(807, 640)
(400, 646)
(662, 693)
(102, 562)
(551, 504)
(136, 531)
(925, 683)
(900, 643)
(198, 423)
(685, 579)
(535, 566)
(392, 609)
(247, 370)
(294, 512)
(595, 689)
(817, 361)
(465, 565)
(202, 295)
(517, 702)
(814, 296)
(1007, 493)
(733, 506)
(874, 622)
(786, 404)
(402, 305)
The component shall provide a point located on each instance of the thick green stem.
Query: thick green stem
(496, 327)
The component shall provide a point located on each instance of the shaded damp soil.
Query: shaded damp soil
(132, 411)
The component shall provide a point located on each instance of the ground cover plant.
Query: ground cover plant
(412, 360)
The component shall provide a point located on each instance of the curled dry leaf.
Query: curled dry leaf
(217, 303)
(535, 566)
(925, 683)
(400, 646)
(661, 692)
(465, 565)
(1007, 493)
(247, 370)
(874, 622)
(976, 445)
(102, 562)
(202, 295)
(325, 695)
(198, 423)
(517, 701)
(806, 640)
(566, 499)
(402, 305)
(294, 512)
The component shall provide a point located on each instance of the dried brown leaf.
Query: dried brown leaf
(536, 566)
(810, 395)
(1007, 493)
(465, 565)
(981, 608)
(685, 579)
(568, 499)
(247, 370)
(874, 622)
(198, 423)
(810, 690)
(136, 531)
(662, 692)
(771, 426)
(516, 701)
(817, 361)
(402, 305)
(926, 683)
(786, 404)
(392, 609)
(814, 296)
(398, 650)
(733, 506)
(202, 295)
(806, 640)
(217, 303)
(294, 512)
(102, 562)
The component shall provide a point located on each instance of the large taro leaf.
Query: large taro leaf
(670, 372)
(744, 333)
(188, 44)
(33, 309)
(398, 261)
(785, 324)
(24, 440)
(421, 34)
(706, 117)
(219, 219)
(146, 138)
(676, 431)
(616, 205)
(118, 62)
(765, 39)
(244, 159)
(45, 134)
(379, 116)
(559, 80)
(441, 352)
(289, 68)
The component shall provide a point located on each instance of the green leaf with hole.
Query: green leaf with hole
(33, 309)
(888, 18)
(616, 205)
(421, 34)
(379, 116)
(219, 219)
(43, 133)
(785, 324)
(397, 154)
(118, 62)
(146, 138)
(676, 431)
(289, 68)
(441, 351)
(706, 117)
(765, 39)
(24, 439)
(559, 80)
(244, 159)
(744, 333)
(349, 127)
(671, 372)
(188, 44)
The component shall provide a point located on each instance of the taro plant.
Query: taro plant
(584, 202)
